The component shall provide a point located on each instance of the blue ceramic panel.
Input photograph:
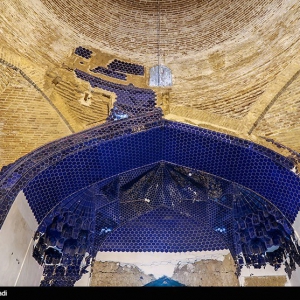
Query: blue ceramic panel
(88, 166)
(125, 67)
(163, 230)
(238, 162)
(83, 52)
(185, 145)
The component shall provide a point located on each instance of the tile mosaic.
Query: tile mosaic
(142, 183)
(83, 52)
(125, 67)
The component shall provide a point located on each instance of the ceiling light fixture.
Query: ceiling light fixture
(158, 41)
(160, 75)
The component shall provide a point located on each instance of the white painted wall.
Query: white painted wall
(85, 278)
(295, 279)
(267, 271)
(296, 225)
(17, 266)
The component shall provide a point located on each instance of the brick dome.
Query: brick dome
(234, 64)
(186, 27)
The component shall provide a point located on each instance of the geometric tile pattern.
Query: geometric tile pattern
(142, 183)
(111, 161)
(130, 101)
(83, 52)
(163, 230)
(164, 208)
(79, 160)
(125, 67)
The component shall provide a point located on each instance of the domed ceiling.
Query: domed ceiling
(235, 70)
(185, 27)
(234, 64)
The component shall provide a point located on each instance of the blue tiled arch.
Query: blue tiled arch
(61, 168)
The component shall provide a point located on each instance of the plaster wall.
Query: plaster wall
(158, 263)
(295, 278)
(17, 266)
(207, 268)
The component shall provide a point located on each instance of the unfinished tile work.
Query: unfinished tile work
(151, 139)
